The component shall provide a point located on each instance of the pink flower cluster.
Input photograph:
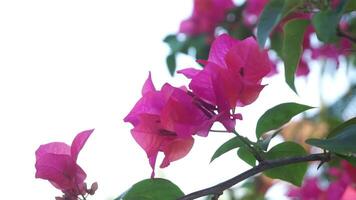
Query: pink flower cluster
(342, 186)
(165, 120)
(207, 14)
(57, 163)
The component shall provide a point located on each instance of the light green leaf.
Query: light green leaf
(271, 15)
(293, 48)
(246, 156)
(277, 116)
(293, 173)
(233, 143)
(152, 189)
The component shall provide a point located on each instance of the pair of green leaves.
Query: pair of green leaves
(272, 119)
(293, 173)
(272, 14)
(242, 152)
(290, 49)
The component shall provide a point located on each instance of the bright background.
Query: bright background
(72, 65)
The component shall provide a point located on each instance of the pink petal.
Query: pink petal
(247, 55)
(148, 85)
(202, 83)
(219, 49)
(181, 115)
(150, 103)
(249, 94)
(54, 148)
(189, 72)
(61, 170)
(175, 150)
(349, 194)
(78, 143)
(335, 190)
(303, 68)
(147, 133)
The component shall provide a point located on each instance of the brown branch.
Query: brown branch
(340, 33)
(218, 189)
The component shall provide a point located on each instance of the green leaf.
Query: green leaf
(246, 156)
(350, 6)
(271, 15)
(293, 173)
(277, 116)
(171, 63)
(277, 43)
(343, 142)
(152, 189)
(342, 126)
(326, 23)
(233, 143)
(293, 48)
(174, 44)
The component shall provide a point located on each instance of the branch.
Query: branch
(263, 166)
(340, 33)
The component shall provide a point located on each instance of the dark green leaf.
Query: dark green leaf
(246, 156)
(171, 63)
(277, 116)
(233, 143)
(339, 128)
(153, 189)
(326, 23)
(343, 142)
(200, 43)
(174, 44)
(271, 15)
(292, 173)
(293, 48)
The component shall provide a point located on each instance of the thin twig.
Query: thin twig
(268, 164)
(219, 131)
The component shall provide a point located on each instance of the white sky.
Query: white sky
(72, 65)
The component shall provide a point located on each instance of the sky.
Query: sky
(72, 65)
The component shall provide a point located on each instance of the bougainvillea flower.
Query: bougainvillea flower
(332, 51)
(231, 76)
(57, 163)
(165, 121)
(310, 190)
(207, 14)
(345, 177)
